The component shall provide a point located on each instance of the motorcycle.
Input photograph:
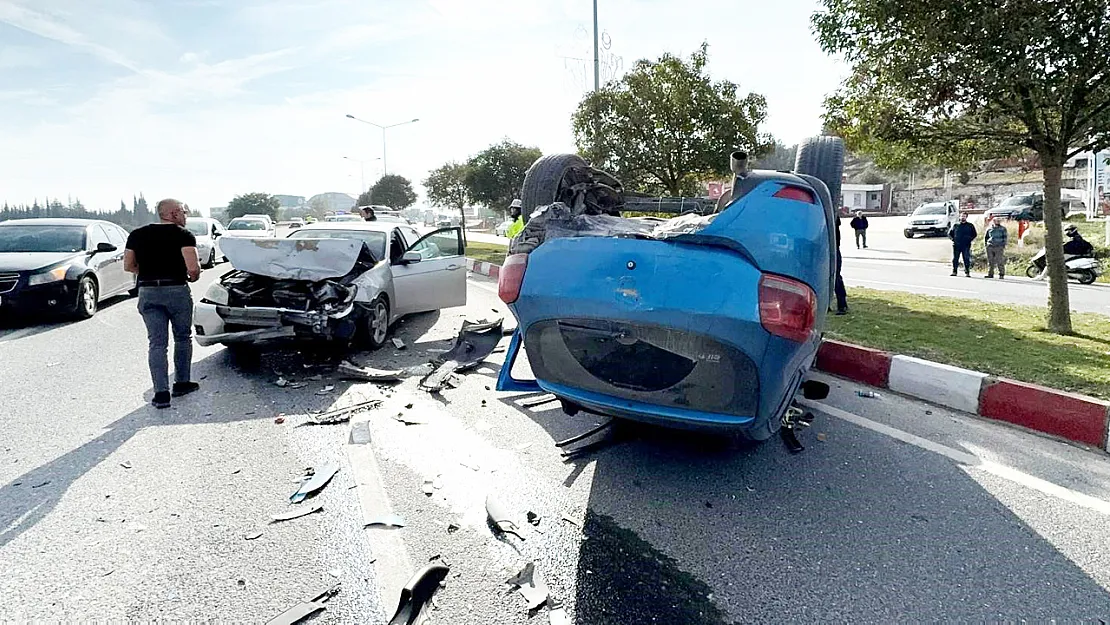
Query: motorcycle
(1085, 269)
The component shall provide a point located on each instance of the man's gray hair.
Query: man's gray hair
(166, 205)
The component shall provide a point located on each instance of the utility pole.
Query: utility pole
(597, 62)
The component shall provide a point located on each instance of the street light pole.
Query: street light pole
(597, 62)
(385, 163)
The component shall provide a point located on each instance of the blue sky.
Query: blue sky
(206, 99)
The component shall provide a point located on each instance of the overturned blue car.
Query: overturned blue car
(708, 320)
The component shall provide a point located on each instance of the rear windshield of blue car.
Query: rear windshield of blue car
(39, 238)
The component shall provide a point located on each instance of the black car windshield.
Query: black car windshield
(931, 209)
(39, 238)
(197, 227)
(246, 224)
(1017, 200)
(374, 240)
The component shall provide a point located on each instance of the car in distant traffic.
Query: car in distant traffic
(295, 222)
(1025, 206)
(65, 266)
(208, 232)
(344, 217)
(502, 228)
(250, 227)
(331, 281)
(935, 218)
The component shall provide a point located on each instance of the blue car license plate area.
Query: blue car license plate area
(648, 364)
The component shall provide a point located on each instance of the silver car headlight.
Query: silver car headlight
(216, 294)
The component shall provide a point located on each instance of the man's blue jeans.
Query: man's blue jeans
(163, 308)
(965, 253)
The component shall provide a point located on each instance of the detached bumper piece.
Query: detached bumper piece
(285, 323)
(475, 342)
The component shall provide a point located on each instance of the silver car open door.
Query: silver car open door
(432, 273)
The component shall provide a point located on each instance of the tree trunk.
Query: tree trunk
(1059, 308)
(462, 222)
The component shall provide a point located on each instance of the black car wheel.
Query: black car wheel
(1086, 276)
(543, 180)
(823, 158)
(211, 262)
(908, 233)
(87, 294)
(1032, 271)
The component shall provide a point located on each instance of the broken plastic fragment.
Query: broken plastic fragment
(318, 480)
(327, 389)
(295, 513)
(500, 518)
(253, 535)
(303, 610)
(349, 370)
(279, 420)
(410, 419)
(342, 415)
(386, 520)
(428, 489)
(125, 464)
(281, 382)
(398, 343)
(418, 592)
(557, 614)
(533, 518)
(531, 585)
(298, 384)
(474, 343)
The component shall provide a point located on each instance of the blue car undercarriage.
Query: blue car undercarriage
(710, 320)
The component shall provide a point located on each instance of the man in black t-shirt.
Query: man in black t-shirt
(164, 257)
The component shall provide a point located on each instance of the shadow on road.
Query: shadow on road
(692, 528)
(29, 498)
(13, 328)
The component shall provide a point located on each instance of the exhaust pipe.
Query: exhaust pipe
(738, 162)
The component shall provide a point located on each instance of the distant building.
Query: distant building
(332, 201)
(870, 198)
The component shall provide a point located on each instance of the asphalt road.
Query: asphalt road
(896, 511)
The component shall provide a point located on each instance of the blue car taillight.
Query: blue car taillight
(511, 277)
(787, 308)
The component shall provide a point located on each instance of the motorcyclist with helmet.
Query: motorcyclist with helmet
(1075, 246)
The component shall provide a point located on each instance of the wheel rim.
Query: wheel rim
(88, 297)
(379, 323)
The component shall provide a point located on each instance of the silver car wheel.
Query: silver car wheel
(379, 322)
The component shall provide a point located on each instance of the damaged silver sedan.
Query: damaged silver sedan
(331, 281)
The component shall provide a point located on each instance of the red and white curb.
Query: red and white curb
(483, 268)
(1073, 417)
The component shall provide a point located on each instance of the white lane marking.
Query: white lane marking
(910, 286)
(972, 461)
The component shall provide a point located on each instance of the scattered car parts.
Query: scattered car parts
(295, 513)
(386, 520)
(418, 592)
(341, 415)
(305, 609)
(531, 585)
(499, 517)
(350, 371)
(473, 344)
(318, 480)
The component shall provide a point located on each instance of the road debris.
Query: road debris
(452, 528)
(499, 517)
(126, 464)
(821, 436)
(350, 371)
(305, 609)
(531, 585)
(538, 401)
(281, 382)
(341, 415)
(47, 482)
(385, 520)
(318, 480)
(409, 419)
(237, 471)
(398, 343)
(474, 343)
(418, 592)
(295, 513)
(556, 613)
(868, 394)
(253, 535)
(533, 518)
(279, 420)
(428, 488)
(567, 518)
(298, 384)
(327, 389)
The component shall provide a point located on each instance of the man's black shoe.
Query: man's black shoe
(161, 399)
(842, 311)
(184, 388)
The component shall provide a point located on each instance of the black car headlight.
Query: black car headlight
(46, 277)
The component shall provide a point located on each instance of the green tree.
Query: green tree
(780, 157)
(956, 81)
(253, 204)
(447, 187)
(142, 212)
(666, 126)
(393, 191)
(495, 175)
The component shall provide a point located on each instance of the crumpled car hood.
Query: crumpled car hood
(293, 259)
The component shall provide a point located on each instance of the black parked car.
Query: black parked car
(67, 266)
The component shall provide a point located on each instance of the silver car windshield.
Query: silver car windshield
(199, 228)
